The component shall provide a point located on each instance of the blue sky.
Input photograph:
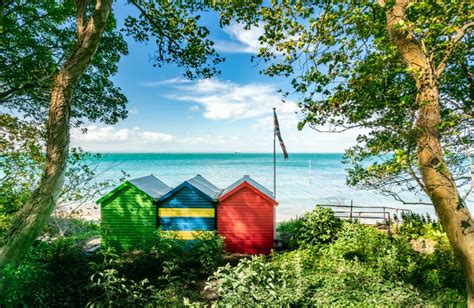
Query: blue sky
(232, 112)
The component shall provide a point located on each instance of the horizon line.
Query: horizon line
(203, 152)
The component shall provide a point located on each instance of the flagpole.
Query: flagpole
(274, 158)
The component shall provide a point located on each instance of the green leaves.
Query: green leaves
(179, 38)
(36, 40)
(346, 73)
(362, 267)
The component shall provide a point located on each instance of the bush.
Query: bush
(290, 226)
(417, 225)
(53, 274)
(313, 282)
(163, 272)
(362, 267)
(208, 250)
(317, 227)
(74, 229)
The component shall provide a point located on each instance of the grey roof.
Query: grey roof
(252, 182)
(151, 185)
(205, 186)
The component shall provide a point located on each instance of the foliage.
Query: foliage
(36, 39)
(21, 170)
(418, 225)
(59, 272)
(71, 228)
(49, 42)
(163, 271)
(53, 274)
(179, 37)
(363, 267)
(346, 73)
(290, 226)
(319, 226)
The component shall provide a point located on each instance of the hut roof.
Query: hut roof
(198, 183)
(150, 185)
(247, 179)
(205, 186)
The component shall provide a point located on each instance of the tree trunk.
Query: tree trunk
(34, 214)
(439, 184)
(437, 179)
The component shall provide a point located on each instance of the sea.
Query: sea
(302, 181)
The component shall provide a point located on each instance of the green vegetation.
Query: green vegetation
(317, 227)
(359, 266)
(400, 72)
(417, 225)
(343, 264)
(164, 271)
(60, 56)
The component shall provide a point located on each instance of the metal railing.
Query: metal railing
(359, 212)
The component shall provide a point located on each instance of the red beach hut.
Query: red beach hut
(246, 217)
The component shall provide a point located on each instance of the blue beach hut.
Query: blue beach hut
(189, 207)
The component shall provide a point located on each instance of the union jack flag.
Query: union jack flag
(278, 134)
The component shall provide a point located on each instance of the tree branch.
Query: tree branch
(404, 39)
(451, 47)
(81, 7)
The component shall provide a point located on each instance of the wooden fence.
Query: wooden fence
(374, 213)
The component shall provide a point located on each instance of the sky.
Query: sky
(229, 113)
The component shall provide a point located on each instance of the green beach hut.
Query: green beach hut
(128, 213)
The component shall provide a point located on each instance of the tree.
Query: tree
(36, 38)
(21, 171)
(399, 69)
(179, 38)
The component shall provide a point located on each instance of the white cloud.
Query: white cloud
(133, 110)
(171, 81)
(111, 139)
(155, 137)
(194, 108)
(111, 134)
(243, 40)
(219, 100)
(226, 100)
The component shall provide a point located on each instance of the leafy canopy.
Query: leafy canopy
(37, 37)
(347, 74)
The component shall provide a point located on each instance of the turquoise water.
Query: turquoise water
(299, 186)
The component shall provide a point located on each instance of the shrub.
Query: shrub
(319, 226)
(392, 258)
(114, 289)
(208, 250)
(71, 228)
(290, 226)
(417, 225)
(163, 272)
(363, 267)
(253, 281)
(262, 281)
(53, 274)
(165, 257)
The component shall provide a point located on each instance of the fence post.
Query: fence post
(351, 210)
(389, 223)
(384, 214)
(398, 219)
